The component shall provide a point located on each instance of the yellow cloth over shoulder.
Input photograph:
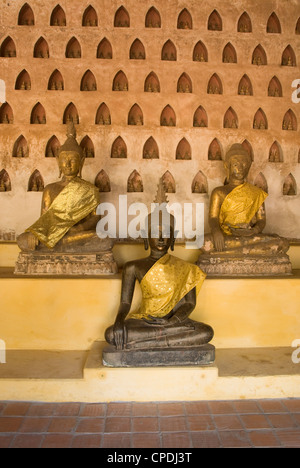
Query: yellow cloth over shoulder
(165, 284)
(76, 201)
(240, 206)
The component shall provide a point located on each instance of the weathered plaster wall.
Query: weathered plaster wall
(19, 207)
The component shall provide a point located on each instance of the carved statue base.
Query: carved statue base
(65, 264)
(250, 265)
(162, 357)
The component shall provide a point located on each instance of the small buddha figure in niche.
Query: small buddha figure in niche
(168, 286)
(237, 218)
(68, 214)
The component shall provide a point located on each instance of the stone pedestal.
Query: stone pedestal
(159, 357)
(250, 265)
(66, 264)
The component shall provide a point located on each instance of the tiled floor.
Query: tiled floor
(242, 423)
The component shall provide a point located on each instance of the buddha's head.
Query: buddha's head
(71, 156)
(237, 163)
(160, 224)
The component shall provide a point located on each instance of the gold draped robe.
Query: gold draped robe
(165, 284)
(76, 201)
(240, 206)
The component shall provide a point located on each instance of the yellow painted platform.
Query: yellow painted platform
(67, 376)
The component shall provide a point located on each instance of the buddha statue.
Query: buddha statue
(68, 220)
(169, 289)
(237, 218)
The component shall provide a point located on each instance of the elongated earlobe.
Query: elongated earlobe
(146, 244)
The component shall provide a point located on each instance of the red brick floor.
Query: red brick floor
(242, 423)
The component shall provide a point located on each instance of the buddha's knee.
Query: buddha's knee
(109, 335)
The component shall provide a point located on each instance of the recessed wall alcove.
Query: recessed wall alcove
(58, 17)
(273, 24)
(41, 49)
(289, 186)
(184, 150)
(230, 119)
(26, 16)
(260, 120)
(245, 86)
(90, 17)
(185, 20)
(215, 151)
(169, 51)
(122, 19)
(73, 49)
(168, 117)
(184, 84)
(104, 50)
(150, 149)
(244, 23)
(102, 181)
(8, 48)
(119, 149)
(38, 114)
(259, 56)
(52, 147)
(200, 52)
(5, 183)
(103, 115)
(56, 81)
(288, 57)
(199, 184)
(169, 182)
(36, 182)
(134, 182)
(229, 54)
(153, 19)
(275, 153)
(71, 114)
(120, 82)
(135, 116)
(214, 22)
(275, 88)
(261, 182)
(20, 149)
(88, 82)
(152, 84)
(6, 114)
(137, 50)
(88, 147)
(289, 121)
(214, 85)
(200, 118)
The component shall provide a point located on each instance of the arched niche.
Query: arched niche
(199, 184)
(214, 22)
(52, 147)
(137, 50)
(36, 182)
(273, 24)
(73, 49)
(88, 82)
(119, 149)
(134, 182)
(289, 121)
(102, 182)
(184, 84)
(8, 48)
(103, 115)
(230, 119)
(244, 23)
(56, 81)
(169, 51)
(297, 29)
(6, 114)
(260, 120)
(259, 56)
(275, 153)
(26, 16)
(150, 150)
(41, 49)
(120, 82)
(200, 52)
(90, 17)
(214, 85)
(104, 50)
(122, 19)
(38, 114)
(135, 115)
(215, 151)
(152, 84)
(275, 88)
(169, 182)
(71, 114)
(229, 54)
(288, 58)
(5, 183)
(153, 19)
(58, 17)
(245, 86)
(88, 147)
(168, 117)
(200, 117)
(261, 182)
(184, 20)
(184, 150)
(23, 81)
(289, 186)
(247, 146)
(20, 148)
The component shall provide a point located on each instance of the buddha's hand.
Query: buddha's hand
(119, 334)
(27, 241)
(158, 321)
(219, 241)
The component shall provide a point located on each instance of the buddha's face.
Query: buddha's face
(161, 239)
(69, 163)
(239, 166)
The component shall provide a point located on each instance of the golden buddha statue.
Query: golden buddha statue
(68, 215)
(169, 288)
(237, 218)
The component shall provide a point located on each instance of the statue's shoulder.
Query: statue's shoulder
(219, 192)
